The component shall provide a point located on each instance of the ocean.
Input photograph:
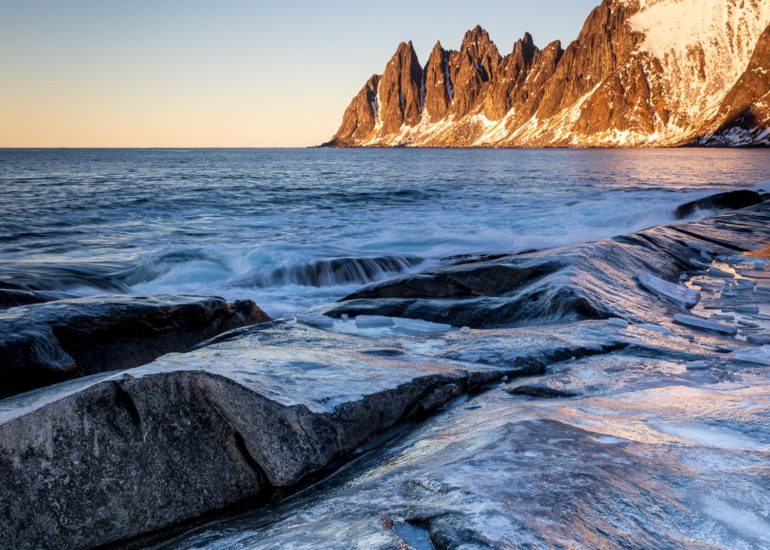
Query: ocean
(294, 229)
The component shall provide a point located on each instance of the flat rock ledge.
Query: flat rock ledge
(105, 458)
(42, 344)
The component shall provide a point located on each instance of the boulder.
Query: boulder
(731, 200)
(12, 297)
(41, 344)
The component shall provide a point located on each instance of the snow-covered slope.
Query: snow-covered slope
(695, 51)
(641, 73)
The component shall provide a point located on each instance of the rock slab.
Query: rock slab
(43, 344)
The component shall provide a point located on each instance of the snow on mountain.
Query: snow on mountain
(641, 73)
(703, 47)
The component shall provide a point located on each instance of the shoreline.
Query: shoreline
(322, 382)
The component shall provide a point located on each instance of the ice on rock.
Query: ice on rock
(415, 326)
(373, 321)
(317, 321)
(724, 317)
(697, 365)
(677, 294)
(708, 435)
(401, 325)
(758, 339)
(759, 356)
(620, 323)
(739, 519)
(747, 309)
(414, 535)
(705, 324)
(716, 272)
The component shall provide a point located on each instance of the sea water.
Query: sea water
(296, 228)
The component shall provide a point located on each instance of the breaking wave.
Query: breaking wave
(297, 229)
(332, 272)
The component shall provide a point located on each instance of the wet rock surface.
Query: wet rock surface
(591, 281)
(655, 454)
(11, 297)
(241, 419)
(731, 200)
(648, 433)
(41, 344)
(549, 426)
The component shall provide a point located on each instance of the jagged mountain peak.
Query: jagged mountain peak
(524, 48)
(476, 35)
(640, 73)
(404, 50)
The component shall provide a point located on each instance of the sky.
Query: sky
(225, 73)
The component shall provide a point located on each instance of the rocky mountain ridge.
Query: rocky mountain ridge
(640, 73)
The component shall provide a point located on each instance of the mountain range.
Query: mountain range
(641, 73)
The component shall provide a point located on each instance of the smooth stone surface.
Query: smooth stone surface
(653, 456)
(42, 344)
(234, 421)
(10, 297)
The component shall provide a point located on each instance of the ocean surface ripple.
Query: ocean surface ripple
(293, 229)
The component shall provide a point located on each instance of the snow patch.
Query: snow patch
(703, 45)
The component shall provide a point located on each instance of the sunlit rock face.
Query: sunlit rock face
(641, 73)
(744, 114)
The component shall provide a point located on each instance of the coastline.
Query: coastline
(282, 401)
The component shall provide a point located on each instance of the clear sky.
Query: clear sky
(224, 73)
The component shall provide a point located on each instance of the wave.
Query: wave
(331, 272)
